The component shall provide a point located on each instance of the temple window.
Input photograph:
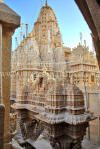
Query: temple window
(34, 76)
(92, 78)
(41, 81)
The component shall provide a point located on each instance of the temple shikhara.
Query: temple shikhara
(52, 100)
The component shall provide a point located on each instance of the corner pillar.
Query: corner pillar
(6, 69)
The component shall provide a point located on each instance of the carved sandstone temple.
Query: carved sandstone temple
(48, 104)
(84, 73)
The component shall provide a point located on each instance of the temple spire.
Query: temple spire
(46, 3)
(1, 1)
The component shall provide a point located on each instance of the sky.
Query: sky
(69, 17)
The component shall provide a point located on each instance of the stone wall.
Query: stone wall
(94, 106)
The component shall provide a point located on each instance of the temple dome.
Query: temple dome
(32, 52)
(27, 53)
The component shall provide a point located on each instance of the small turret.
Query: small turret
(46, 3)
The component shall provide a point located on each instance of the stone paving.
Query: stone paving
(15, 144)
(89, 145)
(44, 144)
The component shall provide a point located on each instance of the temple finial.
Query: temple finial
(41, 3)
(1, 1)
(46, 3)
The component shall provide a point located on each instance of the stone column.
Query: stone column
(0, 62)
(6, 69)
(2, 109)
(9, 21)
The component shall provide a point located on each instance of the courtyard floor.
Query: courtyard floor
(42, 144)
(89, 145)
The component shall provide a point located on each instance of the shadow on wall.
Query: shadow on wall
(98, 1)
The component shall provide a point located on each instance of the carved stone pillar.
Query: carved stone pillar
(61, 143)
(9, 21)
(0, 62)
(58, 139)
(64, 143)
(6, 68)
(65, 136)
